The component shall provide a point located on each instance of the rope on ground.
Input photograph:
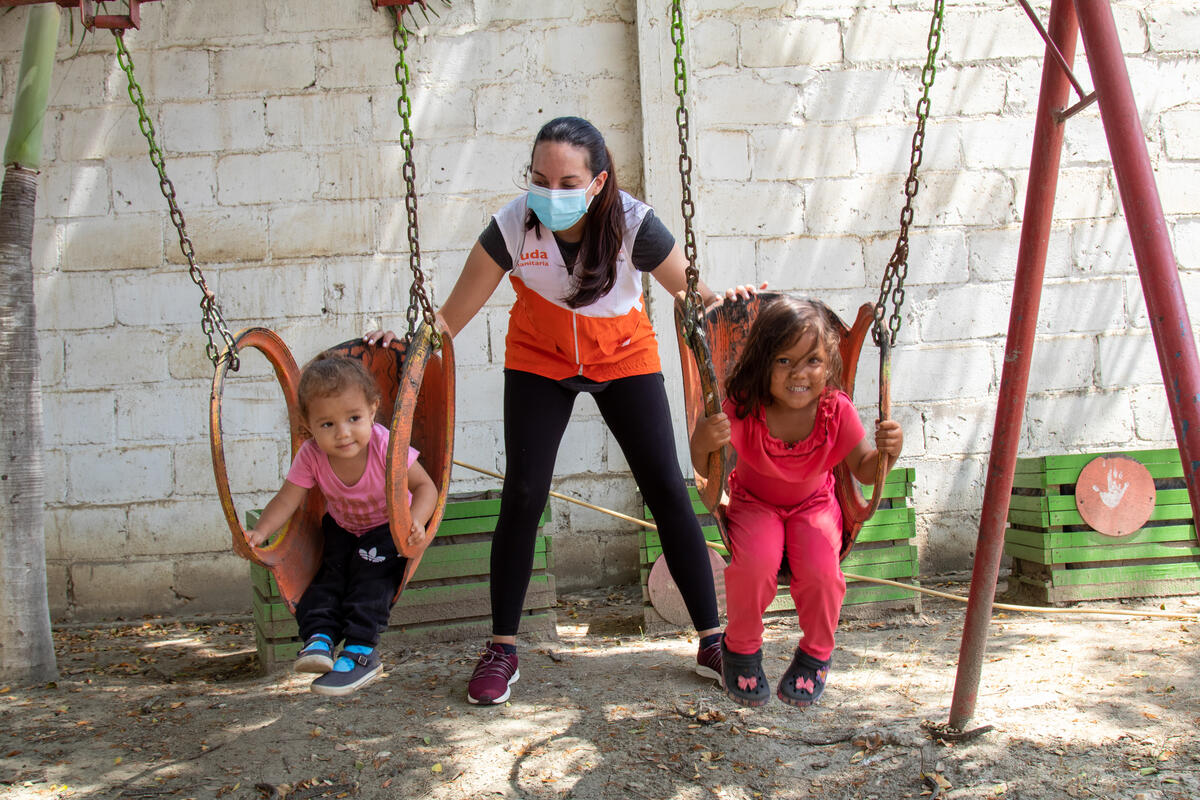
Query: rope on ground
(720, 548)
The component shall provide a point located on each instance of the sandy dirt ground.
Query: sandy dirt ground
(1081, 707)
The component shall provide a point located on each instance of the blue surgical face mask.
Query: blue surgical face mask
(559, 209)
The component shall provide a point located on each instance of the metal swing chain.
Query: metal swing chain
(418, 297)
(892, 285)
(212, 322)
(693, 305)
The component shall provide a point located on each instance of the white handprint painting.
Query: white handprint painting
(1111, 496)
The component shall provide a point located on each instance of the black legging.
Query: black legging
(536, 412)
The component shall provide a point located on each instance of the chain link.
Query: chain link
(418, 296)
(693, 304)
(212, 322)
(892, 285)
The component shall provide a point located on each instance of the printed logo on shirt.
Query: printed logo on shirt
(534, 258)
(371, 555)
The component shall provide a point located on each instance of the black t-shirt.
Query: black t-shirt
(651, 245)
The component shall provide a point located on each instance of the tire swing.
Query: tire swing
(711, 339)
(415, 376)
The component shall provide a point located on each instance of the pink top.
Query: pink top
(786, 475)
(357, 508)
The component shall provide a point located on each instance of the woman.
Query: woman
(574, 247)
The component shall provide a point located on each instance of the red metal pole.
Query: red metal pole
(1156, 263)
(1018, 353)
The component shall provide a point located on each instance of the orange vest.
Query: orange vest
(611, 338)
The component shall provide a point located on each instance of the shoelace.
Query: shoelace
(492, 663)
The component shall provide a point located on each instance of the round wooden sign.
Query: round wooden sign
(1115, 496)
(665, 596)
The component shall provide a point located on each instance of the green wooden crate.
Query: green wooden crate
(884, 549)
(1058, 558)
(447, 599)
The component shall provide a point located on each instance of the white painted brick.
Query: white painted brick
(317, 120)
(887, 149)
(136, 186)
(488, 12)
(54, 489)
(179, 74)
(1179, 189)
(1083, 193)
(968, 91)
(1179, 128)
(994, 33)
(267, 178)
(158, 299)
(1173, 27)
(947, 373)
(457, 166)
(262, 294)
(811, 151)
(131, 242)
(984, 198)
(1093, 306)
(935, 255)
(1128, 359)
(158, 413)
(953, 429)
(893, 36)
(723, 156)
(953, 485)
(231, 125)
(1152, 416)
(305, 16)
(1062, 363)
(214, 20)
(86, 534)
(156, 529)
(50, 365)
(101, 133)
(724, 262)
(996, 144)
(72, 418)
(855, 96)
(850, 205)
(47, 246)
(744, 99)
(221, 236)
(347, 175)
(507, 110)
(1187, 244)
(578, 453)
(448, 222)
(359, 62)
(607, 48)
(73, 301)
(1076, 422)
(758, 209)
(254, 465)
(105, 590)
(1102, 248)
(266, 68)
(106, 358)
(75, 191)
(186, 356)
(812, 264)
(993, 254)
(251, 408)
(438, 112)
(480, 393)
(212, 583)
(766, 43)
(322, 229)
(1083, 144)
(960, 313)
(479, 444)
(118, 475)
(741, 6)
(82, 80)
(712, 43)
(618, 493)
(1162, 84)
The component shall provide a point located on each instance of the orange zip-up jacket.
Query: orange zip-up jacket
(611, 338)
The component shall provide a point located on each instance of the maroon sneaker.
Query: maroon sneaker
(708, 662)
(495, 673)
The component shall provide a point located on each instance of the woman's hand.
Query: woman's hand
(744, 291)
(381, 337)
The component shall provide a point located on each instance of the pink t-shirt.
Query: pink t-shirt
(786, 475)
(358, 508)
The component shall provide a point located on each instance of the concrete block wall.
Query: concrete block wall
(280, 131)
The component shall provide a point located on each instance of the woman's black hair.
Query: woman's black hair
(595, 268)
(779, 325)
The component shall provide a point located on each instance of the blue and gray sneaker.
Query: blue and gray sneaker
(356, 667)
(316, 655)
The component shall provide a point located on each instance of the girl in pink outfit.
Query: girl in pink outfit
(351, 596)
(790, 425)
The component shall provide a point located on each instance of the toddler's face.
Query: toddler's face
(799, 372)
(340, 424)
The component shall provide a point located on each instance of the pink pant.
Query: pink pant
(811, 535)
